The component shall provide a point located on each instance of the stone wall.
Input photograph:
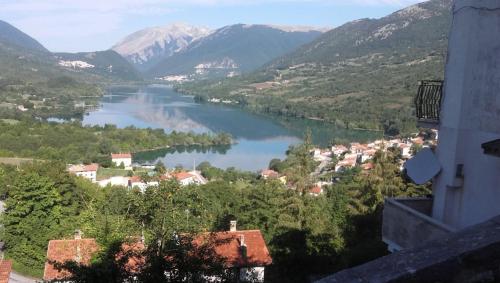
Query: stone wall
(468, 256)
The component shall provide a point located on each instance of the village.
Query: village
(339, 158)
(330, 162)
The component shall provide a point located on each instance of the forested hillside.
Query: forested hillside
(360, 75)
(47, 85)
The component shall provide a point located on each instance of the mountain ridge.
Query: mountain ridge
(148, 46)
(248, 46)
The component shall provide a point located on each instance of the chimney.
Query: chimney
(243, 247)
(242, 241)
(78, 234)
(232, 226)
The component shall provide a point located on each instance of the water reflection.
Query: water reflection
(259, 139)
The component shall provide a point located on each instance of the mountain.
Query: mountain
(149, 46)
(53, 85)
(12, 36)
(362, 74)
(104, 63)
(234, 49)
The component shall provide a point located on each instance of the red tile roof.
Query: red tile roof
(135, 179)
(316, 190)
(83, 168)
(5, 269)
(183, 175)
(120, 155)
(228, 246)
(61, 251)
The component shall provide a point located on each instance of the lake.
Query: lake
(259, 138)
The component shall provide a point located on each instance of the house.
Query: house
(81, 250)
(189, 178)
(78, 249)
(85, 171)
(338, 150)
(119, 158)
(138, 182)
(418, 141)
(350, 161)
(316, 191)
(5, 270)
(405, 150)
(244, 252)
(114, 181)
(367, 155)
(269, 174)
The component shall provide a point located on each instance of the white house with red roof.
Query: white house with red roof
(86, 171)
(138, 182)
(189, 178)
(244, 251)
(119, 158)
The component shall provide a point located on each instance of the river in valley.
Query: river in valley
(258, 138)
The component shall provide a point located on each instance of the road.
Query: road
(17, 278)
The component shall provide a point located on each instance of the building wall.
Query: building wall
(127, 162)
(91, 175)
(470, 116)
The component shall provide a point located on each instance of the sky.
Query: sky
(90, 25)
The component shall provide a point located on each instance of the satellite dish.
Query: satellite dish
(423, 166)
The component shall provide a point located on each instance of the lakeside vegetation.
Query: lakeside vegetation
(74, 143)
(306, 235)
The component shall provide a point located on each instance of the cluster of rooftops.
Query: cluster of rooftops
(237, 248)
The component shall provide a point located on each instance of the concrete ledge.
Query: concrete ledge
(470, 255)
(399, 202)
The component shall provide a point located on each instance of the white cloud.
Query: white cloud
(72, 20)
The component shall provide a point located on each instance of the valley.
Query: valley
(285, 140)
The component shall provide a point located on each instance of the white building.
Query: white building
(189, 178)
(467, 190)
(114, 181)
(466, 179)
(137, 182)
(119, 158)
(85, 171)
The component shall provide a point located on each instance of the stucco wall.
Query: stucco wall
(470, 116)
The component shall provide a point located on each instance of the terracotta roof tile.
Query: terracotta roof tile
(316, 190)
(61, 251)
(121, 155)
(183, 175)
(228, 246)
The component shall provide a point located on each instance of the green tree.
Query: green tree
(32, 217)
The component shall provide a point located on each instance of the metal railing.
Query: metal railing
(428, 101)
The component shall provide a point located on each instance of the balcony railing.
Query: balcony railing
(428, 101)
